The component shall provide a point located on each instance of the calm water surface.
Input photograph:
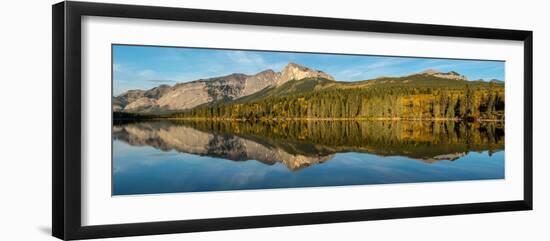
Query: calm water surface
(185, 156)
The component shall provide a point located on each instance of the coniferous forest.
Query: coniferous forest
(416, 97)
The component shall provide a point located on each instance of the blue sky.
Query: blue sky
(143, 67)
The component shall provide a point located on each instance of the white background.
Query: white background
(25, 179)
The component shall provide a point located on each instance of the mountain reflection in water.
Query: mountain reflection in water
(301, 145)
(298, 144)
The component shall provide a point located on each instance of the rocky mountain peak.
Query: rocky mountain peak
(497, 81)
(267, 71)
(430, 71)
(296, 72)
(449, 75)
(183, 96)
(292, 65)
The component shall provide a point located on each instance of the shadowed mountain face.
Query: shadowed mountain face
(298, 144)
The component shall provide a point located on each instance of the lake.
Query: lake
(196, 156)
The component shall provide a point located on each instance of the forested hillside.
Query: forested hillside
(420, 96)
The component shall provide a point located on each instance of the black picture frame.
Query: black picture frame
(66, 127)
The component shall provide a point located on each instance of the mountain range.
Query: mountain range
(237, 87)
(188, 95)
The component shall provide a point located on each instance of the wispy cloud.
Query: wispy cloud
(146, 73)
(276, 66)
(370, 69)
(253, 62)
(246, 58)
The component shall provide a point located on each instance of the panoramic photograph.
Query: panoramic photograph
(202, 119)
